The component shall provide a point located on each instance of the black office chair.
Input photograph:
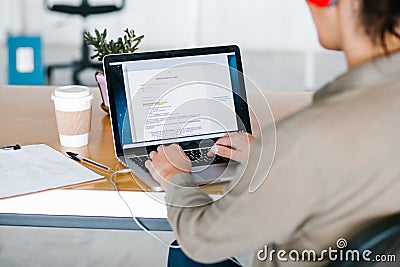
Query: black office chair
(382, 239)
(84, 10)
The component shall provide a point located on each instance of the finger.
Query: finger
(225, 135)
(229, 139)
(175, 147)
(170, 148)
(235, 140)
(222, 151)
(224, 141)
(159, 147)
(213, 151)
(149, 165)
(183, 153)
(229, 153)
(152, 155)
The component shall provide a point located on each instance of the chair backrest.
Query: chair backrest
(84, 9)
(382, 239)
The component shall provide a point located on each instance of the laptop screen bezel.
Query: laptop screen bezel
(239, 94)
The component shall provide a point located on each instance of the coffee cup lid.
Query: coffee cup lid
(70, 92)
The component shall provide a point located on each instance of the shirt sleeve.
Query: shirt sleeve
(279, 200)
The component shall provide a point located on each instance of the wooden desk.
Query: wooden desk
(27, 117)
(30, 119)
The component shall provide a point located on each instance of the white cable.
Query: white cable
(138, 223)
(141, 226)
(236, 261)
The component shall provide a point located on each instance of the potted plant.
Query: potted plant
(126, 44)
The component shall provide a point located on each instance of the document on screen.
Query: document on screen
(183, 100)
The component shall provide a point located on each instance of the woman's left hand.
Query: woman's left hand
(234, 146)
(166, 162)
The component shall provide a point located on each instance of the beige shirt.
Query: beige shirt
(336, 171)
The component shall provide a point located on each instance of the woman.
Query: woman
(336, 169)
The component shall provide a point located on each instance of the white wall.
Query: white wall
(253, 24)
(269, 26)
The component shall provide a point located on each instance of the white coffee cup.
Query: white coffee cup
(73, 107)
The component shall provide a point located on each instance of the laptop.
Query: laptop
(191, 97)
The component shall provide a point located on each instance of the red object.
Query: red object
(322, 3)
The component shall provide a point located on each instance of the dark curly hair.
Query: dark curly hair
(380, 19)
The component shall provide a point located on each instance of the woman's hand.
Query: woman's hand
(166, 162)
(235, 146)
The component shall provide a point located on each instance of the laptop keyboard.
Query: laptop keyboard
(198, 157)
(140, 160)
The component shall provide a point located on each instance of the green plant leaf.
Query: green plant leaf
(128, 43)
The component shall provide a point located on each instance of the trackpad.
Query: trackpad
(219, 172)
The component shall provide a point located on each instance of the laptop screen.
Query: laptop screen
(180, 97)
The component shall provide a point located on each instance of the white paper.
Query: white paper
(25, 60)
(36, 168)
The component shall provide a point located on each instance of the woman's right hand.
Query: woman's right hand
(235, 146)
